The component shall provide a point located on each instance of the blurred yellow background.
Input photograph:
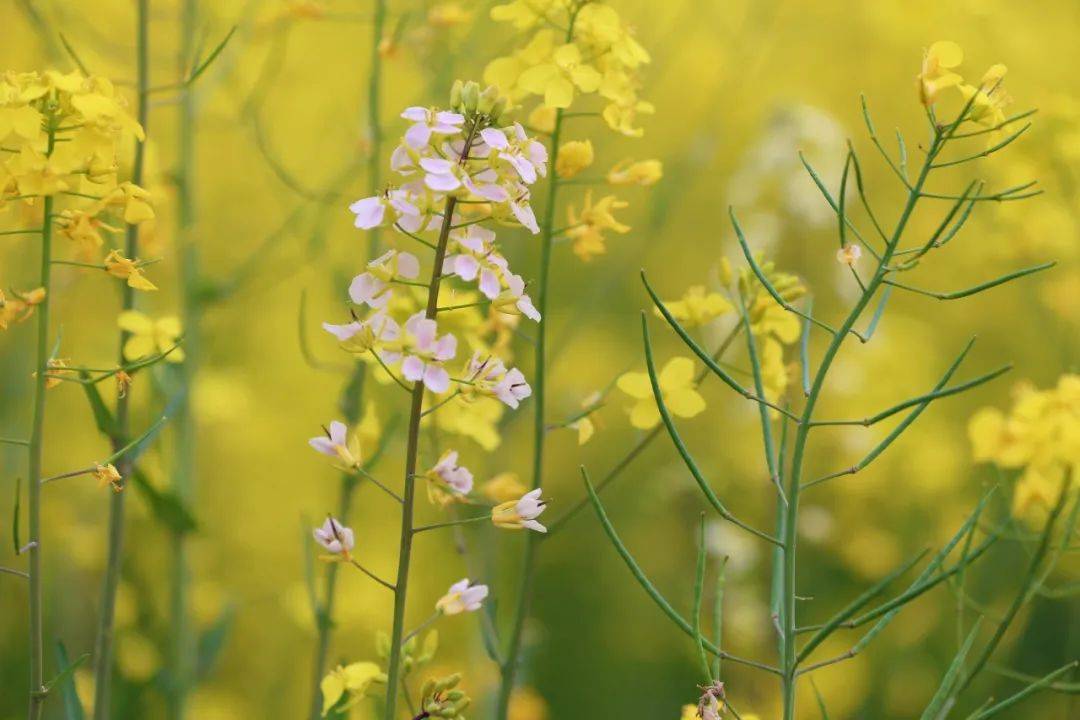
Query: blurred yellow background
(740, 87)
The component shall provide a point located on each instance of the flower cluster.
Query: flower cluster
(60, 134)
(599, 55)
(1040, 436)
(988, 99)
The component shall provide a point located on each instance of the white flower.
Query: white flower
(473, 256)
(518, 514)
(337, 443)
(425, 352)
(489, 376)
(370, 212)
(512, 388)
(457, 477)
(371, 287)
(428, 122)
(462, 597)
(335, 537)
(528, 157)
(361, 336)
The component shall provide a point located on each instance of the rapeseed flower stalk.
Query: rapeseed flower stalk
(447, 160)
(1038, 436)
(63, 132)
(573, 54)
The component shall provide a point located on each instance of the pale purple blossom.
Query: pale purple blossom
(335, 537)
(462, 597)
(457, 477)
(428, 122)
(372, 287)
(426, 352)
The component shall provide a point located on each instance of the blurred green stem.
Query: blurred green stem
(325, 615)
(103, 647)
(181, 650)
(36, 449)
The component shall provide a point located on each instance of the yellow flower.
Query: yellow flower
(689, 712)
(643, 172)
(1041, 434)
(19, 308)
(505, 72)
(697, 307)
(149, 336)
(988, 103)
(525, 14)
(573, 157)
(36, 174)
(527, 704)
(135, 200)
(587, 228)
(542, 118)
(937, 70)
(503, 487)
(107, 474)
(127, 269)
(676, 380)
(557, 79)
(623, 117)
(448, 14)
(18, 117)
(476, 419)
(354, 679)
(84, 229)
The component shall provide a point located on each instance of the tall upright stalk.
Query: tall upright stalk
(181, 648)
(412, 448)
(324, 619)
(37, 441)
(512, 657)
(103, 647)
(787, 528)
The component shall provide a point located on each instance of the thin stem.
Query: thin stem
(790, 520)
(36, 450)
(103, 647)
(450, 523)
(539, 399)
(412, 448)
(373, 576)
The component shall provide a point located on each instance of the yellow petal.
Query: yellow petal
(678, 373)
(684, 403)
(947, 53)
(635, 384)
(644, 415)
(139, 346)
(559, 93)
(135, 322)
(333, 687)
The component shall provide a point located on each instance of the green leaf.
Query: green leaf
(66, 672)
(211, 642)
(103, 417)
(72, 707)
(945, 690)
(167, 508)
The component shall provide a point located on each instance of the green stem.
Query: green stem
(103, 647)
(37, 440)
(788, 527)
(412, 447)
(513, 652)
(181, 647)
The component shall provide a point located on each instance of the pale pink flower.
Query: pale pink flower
(425, 352)
(335, 537)
(462, 597)
(457, 477)
(372, 287)
(518, 514)
(428, 122)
